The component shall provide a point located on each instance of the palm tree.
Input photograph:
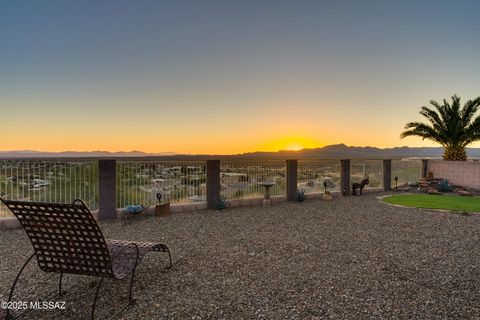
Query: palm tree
(450, 125)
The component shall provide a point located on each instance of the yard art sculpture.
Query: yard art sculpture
(360, 186)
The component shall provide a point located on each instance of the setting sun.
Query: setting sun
(292, 143)
(295, 147)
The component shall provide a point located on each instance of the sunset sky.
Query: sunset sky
(228, 76)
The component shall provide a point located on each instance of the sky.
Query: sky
(224, 77)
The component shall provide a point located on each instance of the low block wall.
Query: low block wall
(462, 173)
(12, 222)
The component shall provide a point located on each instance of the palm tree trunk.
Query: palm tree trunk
(454, 153)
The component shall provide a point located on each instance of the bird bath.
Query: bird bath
(266, 198)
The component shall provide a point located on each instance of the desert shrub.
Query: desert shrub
(444, 186)
(300, 195)
(221, 203)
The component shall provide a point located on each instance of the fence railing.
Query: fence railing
(242, 178)
(48, 181)
(373, 169)
(138, 182)
(124, 182)
(406, 170)
(313, 173)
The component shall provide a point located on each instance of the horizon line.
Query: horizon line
(173, 153)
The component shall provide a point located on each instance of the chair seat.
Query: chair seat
(124, 254)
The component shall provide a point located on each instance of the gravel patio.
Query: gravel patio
(351, 258)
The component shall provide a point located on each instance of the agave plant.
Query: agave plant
(300, 195)
(444, 186)
(221, 203)
(451, 125)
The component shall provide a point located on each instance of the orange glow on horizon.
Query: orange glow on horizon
(194, 140)
(295, 147)
(292, 143)
(186, 145)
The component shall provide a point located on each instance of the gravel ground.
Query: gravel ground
(351, 258)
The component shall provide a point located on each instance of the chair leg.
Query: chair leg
(170, 259)
(8, 315)
(163, 248)
(130, 289)
(60, 284)
(95, 299)
(130, 299)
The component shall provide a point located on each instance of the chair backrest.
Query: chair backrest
(66, 237)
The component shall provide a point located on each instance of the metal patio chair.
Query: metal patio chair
(66, 239)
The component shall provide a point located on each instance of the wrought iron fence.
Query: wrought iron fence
(243, 178)
(407, 171)
(139, 182)
(318, 175)
(373, 169)
(49, 181)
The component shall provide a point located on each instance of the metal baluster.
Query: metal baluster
(57, 185)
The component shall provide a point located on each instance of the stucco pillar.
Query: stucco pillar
(291, 180)
(213, 183)
(387, 175)
(345, 177)
(107, 191)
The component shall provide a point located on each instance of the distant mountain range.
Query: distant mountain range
(342, 151)
(328, 152)
(78, 154)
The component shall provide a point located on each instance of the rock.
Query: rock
(423, 183)
(434, 192)
(465, 193)
(327, 197)
(423, 186)
(429, 175)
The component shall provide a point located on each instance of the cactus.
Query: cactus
(300, 195)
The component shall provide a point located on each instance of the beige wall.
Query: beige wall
(463, 173)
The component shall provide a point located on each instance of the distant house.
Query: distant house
(196, 198)
(39, 183)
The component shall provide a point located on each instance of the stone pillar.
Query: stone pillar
(107, 190)
(387, 175)
(291, 180)
(424, 168)
(213, 183)
(345, 177)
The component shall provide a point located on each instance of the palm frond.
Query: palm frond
(455, 106)
(450, 124)
(422, 130)
(469, 109)
(431, 115)
(441, 110)
(472, 131)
